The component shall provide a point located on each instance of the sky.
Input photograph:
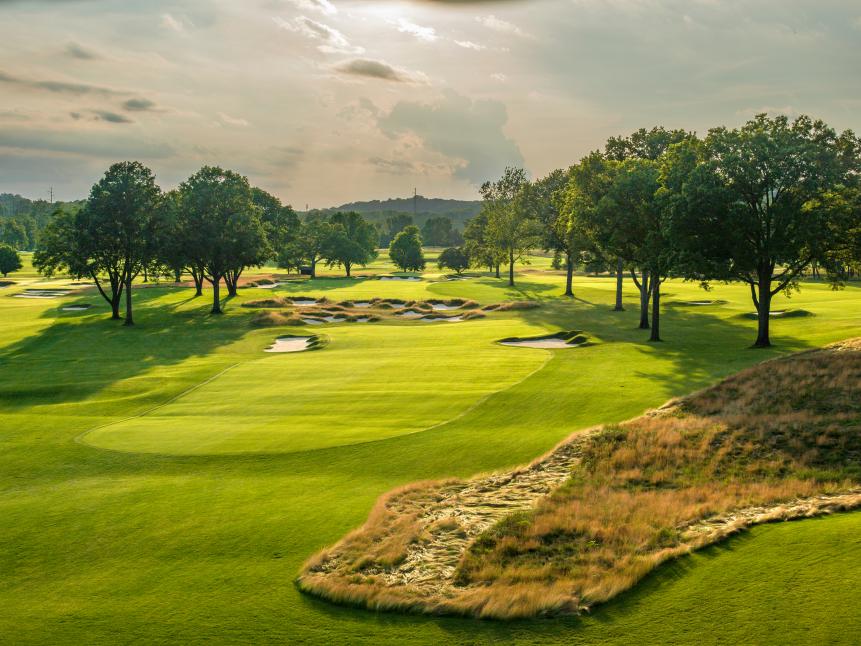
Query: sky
(322, 102)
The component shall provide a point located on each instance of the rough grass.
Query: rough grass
(780, 440)
(511, 306)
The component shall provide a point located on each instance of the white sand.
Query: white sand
(272, 286)
(448, 319)
(410, 315)
(304, 302)
(41, 293)
(75, 308)
(547, 344)
(363, 319)
(312, 321)
(412, 278)
(442, 307)
(361, 303)
(334, 319)
(289, 344)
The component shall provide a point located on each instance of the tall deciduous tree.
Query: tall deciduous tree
(353, 241)
(113, 237)
(10, 260)
(478, 245)
(509, 228)
(757, 206)
(311, 245)
(544, 200)
(454, 258)
(406, 250)
(221, 227)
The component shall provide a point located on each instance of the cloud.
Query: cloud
(321, 6)
(106, 145)
(233, 121)
(139, 105)
(59, 87)
(379, 70)
(468, 44)
(171, 23)
(74, 50)
(469, 132)
(393, 166)
(427, 34)
(101, 115)
(333, 41)
(501, 26)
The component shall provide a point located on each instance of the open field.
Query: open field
(166, 482)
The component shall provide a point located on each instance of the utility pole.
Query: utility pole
(51, 192)
(415, 203)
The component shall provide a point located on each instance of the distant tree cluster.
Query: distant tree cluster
(341, 239)
(22, 220)
(760, 204)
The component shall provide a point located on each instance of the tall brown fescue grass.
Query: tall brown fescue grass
(772, 442)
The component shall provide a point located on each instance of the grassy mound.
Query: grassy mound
(511, 306)
(275, 301)
(275, 319)
(780, 440)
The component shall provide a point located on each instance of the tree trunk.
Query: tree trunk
(115, 308)
(763, 311)
(620, 269)
(197, 275)
(177, 275)
(313, 268)
(645, 296)
(129, 318)
(656, 310)
(231, 278)
(569, 275)
(216, 296)
(497, 270)
(511, 269)
(347, 266)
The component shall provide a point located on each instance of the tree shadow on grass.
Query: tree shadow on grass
(77, 356)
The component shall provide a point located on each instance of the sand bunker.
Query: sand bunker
(410, 314)
(785, 314)
(42, 293)
(442, 307)
(558, 341)
(409, 278)
(362, 304)
(310, 321)
(698, 303)
(76, 308)
(270, 285)
(303, 302)
(290, 344)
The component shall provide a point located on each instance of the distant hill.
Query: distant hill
(459, 211)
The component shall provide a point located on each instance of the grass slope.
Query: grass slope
(102, 547)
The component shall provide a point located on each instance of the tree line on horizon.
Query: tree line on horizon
(759, 204)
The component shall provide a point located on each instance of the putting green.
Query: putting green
(369, 383)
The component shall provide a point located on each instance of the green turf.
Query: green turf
(224, 482)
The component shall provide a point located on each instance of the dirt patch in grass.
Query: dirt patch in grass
(778, 441)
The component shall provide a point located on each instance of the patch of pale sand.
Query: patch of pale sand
(76, 308)
(289, 344)
(361, 304)
(442, 307)
(410, 315)
(334, 319)
(363, 319)
(311, 321)
(448, 319)
(410, 278)
(41, 293)
(546, 344)
(272, 286)
(303, 302)
(452, 515)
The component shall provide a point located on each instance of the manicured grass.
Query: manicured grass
(100, 546)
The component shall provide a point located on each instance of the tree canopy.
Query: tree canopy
(406, 250)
